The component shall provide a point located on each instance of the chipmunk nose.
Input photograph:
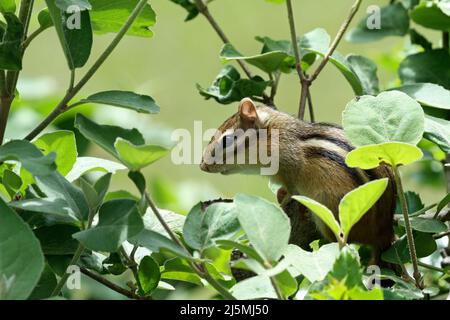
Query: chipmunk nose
(204, 167)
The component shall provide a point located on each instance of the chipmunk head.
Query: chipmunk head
(243, 143)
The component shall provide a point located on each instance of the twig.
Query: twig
(310, 106)
(429, 266)
(442, 235)
(31, 37)
(10, 83)
(112, 286)
(61, 107)
(337, 39)
(409, 234)
(132, 265)
(63, 280)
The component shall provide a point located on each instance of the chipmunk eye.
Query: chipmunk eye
(227, 141)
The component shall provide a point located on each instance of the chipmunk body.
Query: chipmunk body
(311, 163)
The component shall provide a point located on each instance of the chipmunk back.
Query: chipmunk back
(311, 163)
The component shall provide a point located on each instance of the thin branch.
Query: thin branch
(429, 266)
(310, 106)
(112, 286)
(31, 37)
(203, 9)
(408, 228)
(441, 235)
(61, 107)
(337, 39)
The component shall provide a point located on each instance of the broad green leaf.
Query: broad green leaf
(355, 204)
(398, 253)
(268, 62)
(249, 251)
(44, 288)
(11, 181)
(119, 220)
(313, 265)
(55, 210)
(105, 136)
(120, 194)
(413, 201)
(108, 16)
(85, 165)
(179, 269)
(156, 242)
(21, 258)
(426, 67)
(322, 212)
(428, 94)
(259, 287)
(444, 202)
(63, 144)
(426, 225)
(74, 32)
(148, 275)
(347, 268)
(228, 86)
(11, 43)
(266, 225)
(66, 4)
(390, 116)
(430, 15)
(394, 21)
(438, 131)
(124, 99)
(366, 70)
(189, 6)
(8, 6)
(287, 283)
(218, 222)
(138, 157)
(57, 239)
(55, 186)
(419, 39)
(392, 153)
(174, 220)
(29, 156)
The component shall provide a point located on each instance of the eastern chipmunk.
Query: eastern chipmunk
(311, 163)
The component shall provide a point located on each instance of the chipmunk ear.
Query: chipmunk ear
(247, 110)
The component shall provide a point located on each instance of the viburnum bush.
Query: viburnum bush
(57, 220)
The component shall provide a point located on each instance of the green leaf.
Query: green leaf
(426, 225)
(249, 251)
(108, 16)
(390, 116)
(203, 228)
(124, 99)
(419, 39)
(55, 186)
(398, 253)
(66, 4)
(174, 220)
(31, 158)
(438, 131)
(45, 286)
(430, 15)
(105, 136)
(443, 203)
(74, 32)
(347, 268)
(313, 265)
(11, 44)
(366, 70)
(21, 261)
(322, 212)
(8, 6)
(63, 144)
(266, 225)
(392, 153)
(287, 283)
(189, 6)
(119, 220)
(138, 157)
(54, 210)
(228, 86)
(57, 239)
(426, 67)
(11, 181)
(355, 204)
(84, 165)
(148, 275)
(428, 94)
(179, 269)
(44, 19)
(259, 287)
(394, 21)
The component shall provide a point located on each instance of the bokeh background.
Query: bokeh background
(168, 66)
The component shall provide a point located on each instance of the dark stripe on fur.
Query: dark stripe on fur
(315, 152)
(320, 136)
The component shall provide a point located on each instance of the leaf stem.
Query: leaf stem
(431, 267)
(112, 286)
(31, 37)
(408, 228)
(62, 106)
(354, 9)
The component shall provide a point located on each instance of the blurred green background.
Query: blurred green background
(168, 66)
